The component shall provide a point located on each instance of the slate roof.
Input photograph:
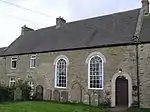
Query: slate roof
(116, 28)
(2, 50)
(145, 33)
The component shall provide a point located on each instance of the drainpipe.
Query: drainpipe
(5, 70)
(138, 79)
(137, 68)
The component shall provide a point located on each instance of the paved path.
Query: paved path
(118, 109)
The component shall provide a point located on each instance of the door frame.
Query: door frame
(113, 88)
(122, 87)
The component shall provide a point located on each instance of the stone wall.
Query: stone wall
(2, 70)
(116, 57)
(144, 74)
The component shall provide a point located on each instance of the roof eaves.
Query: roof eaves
(81, 48)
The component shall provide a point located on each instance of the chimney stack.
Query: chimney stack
(60, 21)
(145, 6)
(25, 30)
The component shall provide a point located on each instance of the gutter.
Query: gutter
(72, 49)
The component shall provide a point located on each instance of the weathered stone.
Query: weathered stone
(86, 99)
(17, 94)
(56, 95)
(39, 92)
(44, 73)
(144, 76)
(64, 96)
(48, 95)
(75, 93)
(94, 99)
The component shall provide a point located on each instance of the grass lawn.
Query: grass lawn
(43, 106)
(138, 110)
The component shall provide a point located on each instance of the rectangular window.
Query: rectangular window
(33, 61)
(12, 82)
(13, 63)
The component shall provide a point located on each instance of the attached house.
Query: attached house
(96, 60)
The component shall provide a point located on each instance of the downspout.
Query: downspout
(136, 41)
(4, 69)
(137, 71)
(6, 77)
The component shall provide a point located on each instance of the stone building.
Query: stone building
(95, 60)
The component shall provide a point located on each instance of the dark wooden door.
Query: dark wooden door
(121, 91)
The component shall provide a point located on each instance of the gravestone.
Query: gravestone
(39, 92)
(17, 94)
(75, 93)
(48, 94)
(94, 99)
(56, 95)
(69, 96)
(64, 96)
(86, 99)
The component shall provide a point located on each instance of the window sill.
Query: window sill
(13, 68)
(32, 67)
(95, 88)
(61, 87)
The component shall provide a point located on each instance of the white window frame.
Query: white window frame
(33, 57)
(13, 59)
(11, 81)
(55, 63)
(102, 57)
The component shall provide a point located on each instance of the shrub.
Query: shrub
(25, 88)
(6, 93)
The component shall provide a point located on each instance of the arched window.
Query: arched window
(95, 70)
(61, 72)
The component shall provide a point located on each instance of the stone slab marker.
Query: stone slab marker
(64, 96)
(17, 94)
(86, 99)
(48, 95)
(39, 92)
(75, 93)
(56, 95)
(94, 99)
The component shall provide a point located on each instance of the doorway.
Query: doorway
(121, 91)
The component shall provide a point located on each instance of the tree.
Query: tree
(78, 80)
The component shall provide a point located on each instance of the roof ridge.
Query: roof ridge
(115, 13)
(106, 15)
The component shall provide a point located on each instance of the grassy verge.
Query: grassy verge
(138, 110)
(42, 106)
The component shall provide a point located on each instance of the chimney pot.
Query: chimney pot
(145, 6)
(60, 21)
(25, 29)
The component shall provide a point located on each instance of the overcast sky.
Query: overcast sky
(12, 18)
